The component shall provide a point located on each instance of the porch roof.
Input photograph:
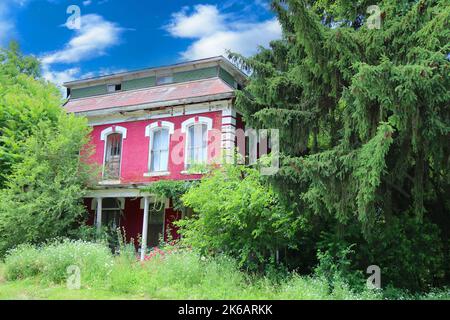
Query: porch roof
(178, 93)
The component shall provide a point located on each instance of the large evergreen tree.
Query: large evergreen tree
(364, 123)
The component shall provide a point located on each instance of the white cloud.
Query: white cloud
(214, 32)
(59, 77)
(205, 20)
(87, 2)
(91, 40)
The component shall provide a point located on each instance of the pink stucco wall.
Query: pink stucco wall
(135, 148)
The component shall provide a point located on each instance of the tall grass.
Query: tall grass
(170, 274)
(50, 261)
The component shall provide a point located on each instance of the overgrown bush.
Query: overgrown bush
(239, 214)
(408, 251)
(43, 173)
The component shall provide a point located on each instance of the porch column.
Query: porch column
(144, 229)
(99, 214)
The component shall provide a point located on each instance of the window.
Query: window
(159, 133)
(113, 137)
(197, 144)
(196, 130)
(112, 156)
(164, 79)
(159, 152)
(111, 212)
(114, 87)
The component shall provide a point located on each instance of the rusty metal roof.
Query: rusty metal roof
(172, 93)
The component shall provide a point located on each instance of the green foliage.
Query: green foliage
(364, 127)
(49, 262)
(180, 274)
(43, 195)
(43, 171)
(238, 214)
(170, 189)
(409, 252)
(25, 101)
(14, 63)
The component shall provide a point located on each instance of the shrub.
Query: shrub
(238, 214)
(50, 261)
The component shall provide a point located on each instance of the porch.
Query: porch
(140, 215)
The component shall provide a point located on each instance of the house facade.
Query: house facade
(150, 125)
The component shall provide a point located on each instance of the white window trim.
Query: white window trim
(114, 85)
(187, 123)
(113, 129)
(104, 137)
(154, 125)
(184, 129)
(149, 131)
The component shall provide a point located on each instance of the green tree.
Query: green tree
(25, 100)
(363, 116)
(237, 213)
(43, 164)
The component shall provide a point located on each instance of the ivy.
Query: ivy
(171, 189)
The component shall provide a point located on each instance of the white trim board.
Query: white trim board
(116, 193)
(156, 114)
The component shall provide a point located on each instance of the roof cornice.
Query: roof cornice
(189, 65)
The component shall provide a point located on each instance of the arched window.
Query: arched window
(113, 137)
(159, 151)
(112, 156)
(197, 144)
(159, 133)
(196, 129)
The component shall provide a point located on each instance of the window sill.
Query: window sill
(156, 174)
(186, 172)
(109, 182)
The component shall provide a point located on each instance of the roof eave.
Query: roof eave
(153, 105)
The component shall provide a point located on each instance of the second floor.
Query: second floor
(170, 147)
(161, 131)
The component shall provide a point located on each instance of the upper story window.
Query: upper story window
(197, 144)
(159, 133)
(113, 137)
(159, 154)
(164, 78)
(114, 87)
(196, 129)
(112, 158)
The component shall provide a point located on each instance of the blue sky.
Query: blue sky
(120, 35)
